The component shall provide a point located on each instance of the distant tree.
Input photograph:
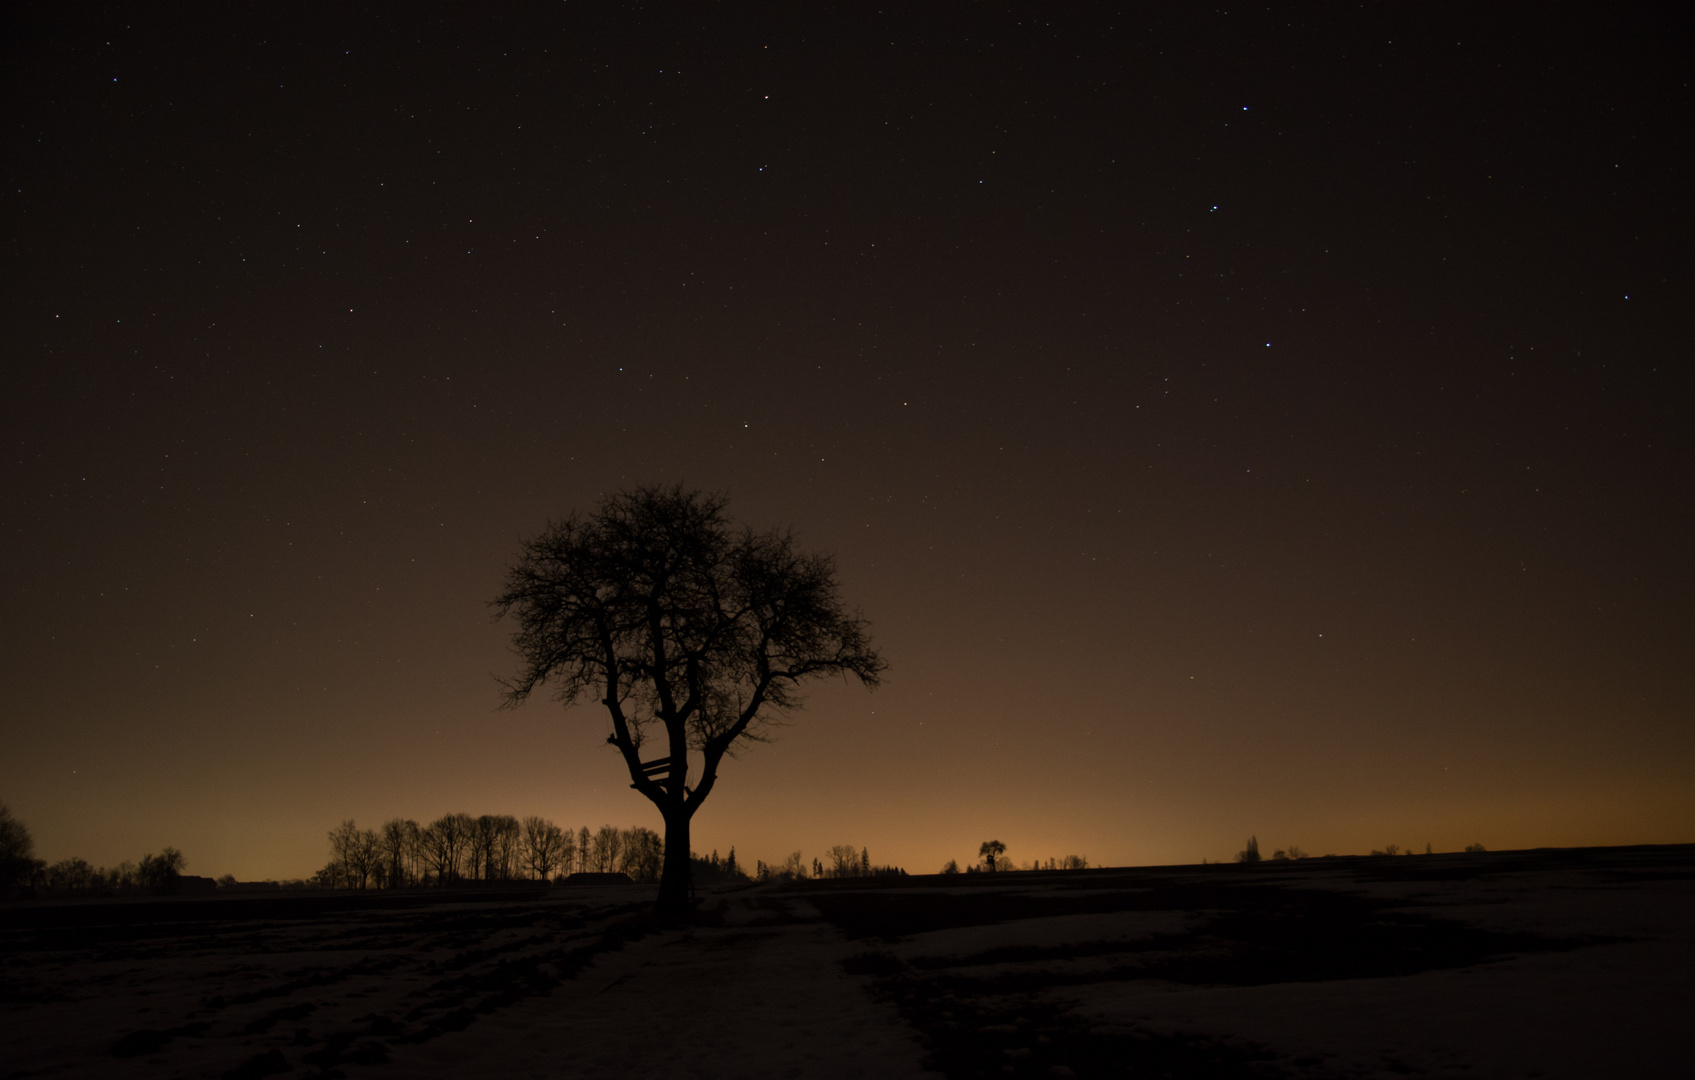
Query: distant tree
(585, 841)
(951, 868)
(394, 842)
(692, 635)
(446, 841)
(417, 854)
(346, 853)
(72, 875)
(567, 851)
(864, 862)
(794, 867)
(352, 854)
(1074, 862)
(1249, 854)
(435, 847)
(544, 847)
(492, 847)
(608, 841)
(370, 859)
(508, 842)
(642, 855)
(712, 869)
(1295, 852)
(480, 847)
(1475, 849)
(159, 873)
(991, 853)
(844, 861)
(464, 836)
(17, 853)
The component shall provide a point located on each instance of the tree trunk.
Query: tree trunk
(673, 905)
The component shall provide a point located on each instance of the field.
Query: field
(1563, 963)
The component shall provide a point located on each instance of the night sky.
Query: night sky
(1231, 421)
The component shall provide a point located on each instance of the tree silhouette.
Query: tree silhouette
(546, 845)
(397, 840)
(159, 873)
(17, 852)
(844, 861)
(990, 853)
(608, 843)
(694, 636)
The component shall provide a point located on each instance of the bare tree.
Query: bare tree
(447, 841)
(643, 855)
(844, 861)
(508, 841)
(464, 835)
(584, 840)
(395, 842)
(693, 636)
(417, 853)
(483, 830)
(370, 859)
(545, 846)
(355, 857)
(607, 844)
(567, 851)
(335, 873)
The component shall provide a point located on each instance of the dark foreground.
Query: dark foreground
(1570, 963)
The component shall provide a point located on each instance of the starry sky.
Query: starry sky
(1262, 421)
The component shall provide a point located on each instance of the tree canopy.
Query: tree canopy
(695, 636)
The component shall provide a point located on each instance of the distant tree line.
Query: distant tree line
(458, 849)
(155, 874)
(20, 869)
(992, 859)
(841, 861)
(1251, 853)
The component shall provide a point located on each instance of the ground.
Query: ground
(1576, 963)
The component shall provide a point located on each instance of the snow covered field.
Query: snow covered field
(1573, 963)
